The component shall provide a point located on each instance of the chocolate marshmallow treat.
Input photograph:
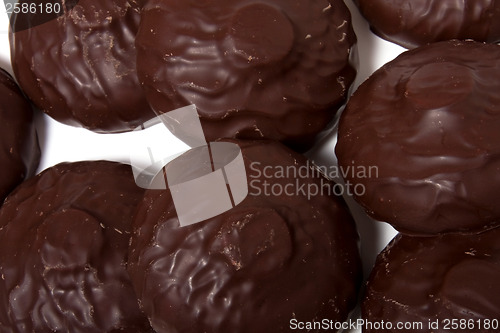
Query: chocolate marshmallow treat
(254, 69)
(64, 236)
(429, 122)
(447, 283)
(270, 262)
(411, 23)
(80, 67)
(19, 150)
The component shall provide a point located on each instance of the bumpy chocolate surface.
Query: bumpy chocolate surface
(254, 268)
(19, 150)
(422, 279)
(63, 245)
(81, 67)
(429, 122)
(413, 23)
(272, 69)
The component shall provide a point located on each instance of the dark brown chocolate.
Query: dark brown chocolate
(19, 150)
(415, 23)
(64, 237)
(254, 69)
(447, 283)
(263, 266)
(81, 67)
(429, 122)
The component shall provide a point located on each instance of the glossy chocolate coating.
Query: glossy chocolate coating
(254, 268)
(63, 246)
(19, 150)
(81, 67)
(429, 122)
(422, 279)
(254, 69)
(413, 23)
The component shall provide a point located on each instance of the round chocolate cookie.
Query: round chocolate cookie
(446, 283)
(285, 256)
(64, 237)
(428, 123)
(19, 150)
(255, 69)
(80, 68)
(411, 23)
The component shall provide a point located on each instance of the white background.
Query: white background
(61, 143)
